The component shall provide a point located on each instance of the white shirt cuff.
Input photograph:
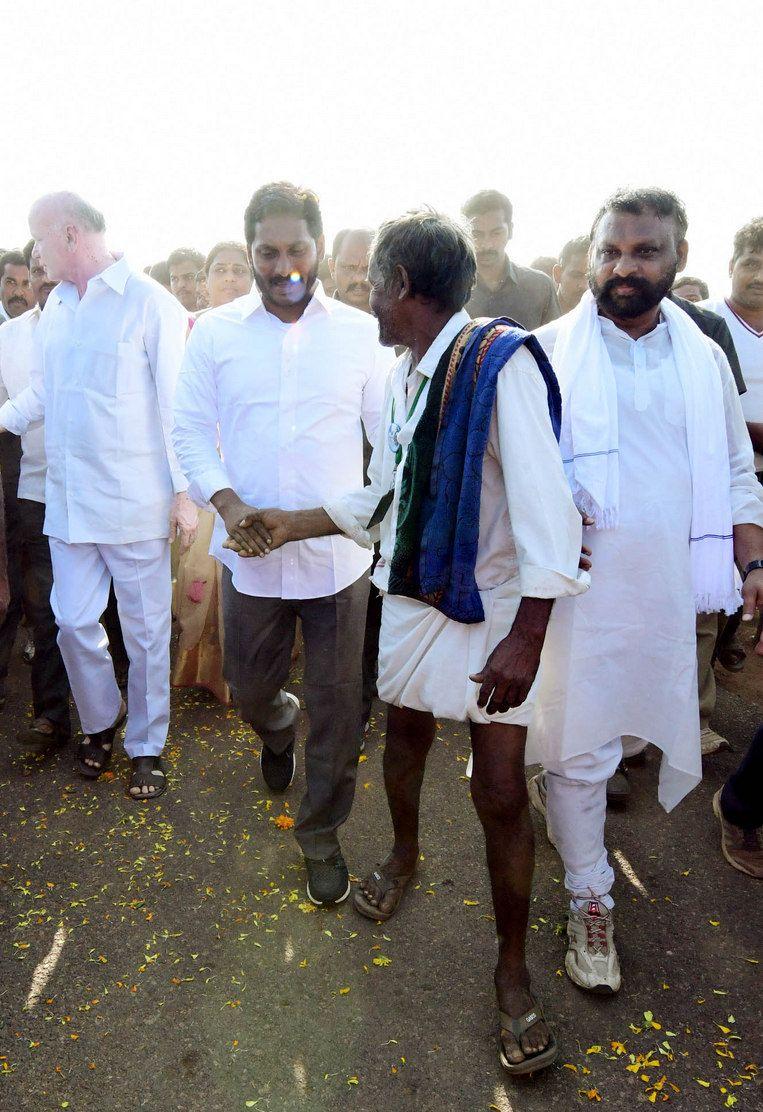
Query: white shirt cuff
(208, 483)
(542, 583)
(349, 525)
(11, 419)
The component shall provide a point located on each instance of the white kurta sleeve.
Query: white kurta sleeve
(196, 419)
(165, 333)
(546, 525)
(746, 491)
(353, 511)
(17, 414)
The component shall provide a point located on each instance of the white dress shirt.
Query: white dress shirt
(526, 534)
(284, 403)
(749, 348)
(16, 358)
(103, 378)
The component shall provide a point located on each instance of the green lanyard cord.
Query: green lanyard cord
(414, 403)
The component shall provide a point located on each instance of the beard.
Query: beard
(646, 295)
(282, 291)
(384, 319)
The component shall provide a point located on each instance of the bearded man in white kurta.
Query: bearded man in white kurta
(108, 349)
(658, 457)
(478, 536)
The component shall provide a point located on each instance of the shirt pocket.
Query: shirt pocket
(131, 371)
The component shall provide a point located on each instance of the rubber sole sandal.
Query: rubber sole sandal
(147, 771)
(517, 1027)
(388, 884)
(99, 741)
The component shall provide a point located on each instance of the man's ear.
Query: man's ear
(511, 228)
(682, 250)
(320, 248)
(332, 268)
(556, 273)
(402, 283)
(731, 267)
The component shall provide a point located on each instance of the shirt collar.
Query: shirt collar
(428, 363)
(115, 277)
(252, 302)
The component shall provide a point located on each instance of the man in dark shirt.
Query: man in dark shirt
(504, 289)
(714, 326)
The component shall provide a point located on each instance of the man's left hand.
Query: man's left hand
(184, 521)
(510, 671)
(752, 600)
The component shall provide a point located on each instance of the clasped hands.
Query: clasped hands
(252, 531)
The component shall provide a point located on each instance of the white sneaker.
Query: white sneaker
(711, 742)
(591, 960)
(536, 790)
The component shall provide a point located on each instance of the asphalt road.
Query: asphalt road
(163, 956)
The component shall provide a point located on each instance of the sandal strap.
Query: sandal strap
(523, 1023)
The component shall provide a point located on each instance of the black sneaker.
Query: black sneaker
(618, 787)
(278, 768)
(328, 882)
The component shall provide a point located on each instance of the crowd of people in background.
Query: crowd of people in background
(439, 464)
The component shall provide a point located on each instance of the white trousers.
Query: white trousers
(82, 574)
(576, 801)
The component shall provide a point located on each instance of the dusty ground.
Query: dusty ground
(194, 976)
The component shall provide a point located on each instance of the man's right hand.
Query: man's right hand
(241, 524)
(258, 532)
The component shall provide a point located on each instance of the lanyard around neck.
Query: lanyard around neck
(414, 403)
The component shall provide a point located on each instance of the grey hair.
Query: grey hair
(75, 210)
(436, 253)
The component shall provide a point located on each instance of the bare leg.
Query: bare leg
(410, 734)
(499, 793)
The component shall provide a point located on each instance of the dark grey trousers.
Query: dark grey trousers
(259, 636)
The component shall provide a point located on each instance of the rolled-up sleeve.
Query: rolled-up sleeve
(545, 523)
(746, 491)
(195, 434)
(352, 512)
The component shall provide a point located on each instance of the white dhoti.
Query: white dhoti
(82, 574)
(425, 659)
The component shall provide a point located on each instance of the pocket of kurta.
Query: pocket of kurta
(130, 369)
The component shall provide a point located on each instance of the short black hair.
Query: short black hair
(748, 238)
(341, 236)
(283, 198)
(11, 258)
(488, 200)
(224, 245)
(185, 254)
(687, 280)
(544, 263)
(573, 247)
(160, 272)
(660, 202)
(26, 251)
(436, 253)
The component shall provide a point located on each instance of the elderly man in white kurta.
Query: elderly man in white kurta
(468, 575)
(109, 346)
(656, 450)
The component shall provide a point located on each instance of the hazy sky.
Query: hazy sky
(167, 115)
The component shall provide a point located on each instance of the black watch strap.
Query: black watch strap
(752, 566)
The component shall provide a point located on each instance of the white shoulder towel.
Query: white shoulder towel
(590, 444)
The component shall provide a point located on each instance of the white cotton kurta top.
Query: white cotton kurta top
(17, 353)
(103, 377)
(529, 539)
(622, 659)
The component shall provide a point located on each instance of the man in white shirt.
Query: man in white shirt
(657, 453)
(282, 378)
(108, 350)
(501, 536)
(31, 573)
(743, 312)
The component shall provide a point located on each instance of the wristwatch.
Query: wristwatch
(752, 566)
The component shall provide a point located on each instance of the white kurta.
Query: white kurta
(17, 353)
(622, 660)
(529, 540)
